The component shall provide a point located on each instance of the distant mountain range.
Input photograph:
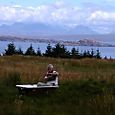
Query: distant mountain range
(29, 29)
(40, 32)
(84, 42)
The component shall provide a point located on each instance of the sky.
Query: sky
(97, 14)
(41, 2)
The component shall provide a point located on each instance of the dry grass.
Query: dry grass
(32, 69)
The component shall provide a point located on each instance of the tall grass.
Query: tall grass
(32, 69)
(86, 86)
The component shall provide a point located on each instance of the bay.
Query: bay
(105, 51)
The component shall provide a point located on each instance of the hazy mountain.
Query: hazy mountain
(80, 29)
(42, 29)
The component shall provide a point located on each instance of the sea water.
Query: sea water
(105, 51)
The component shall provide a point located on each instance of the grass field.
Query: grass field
(87, 86)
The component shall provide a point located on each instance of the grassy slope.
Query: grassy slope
(84, 86)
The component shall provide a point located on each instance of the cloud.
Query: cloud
(102, 16)
(60, 13)
(57, 12)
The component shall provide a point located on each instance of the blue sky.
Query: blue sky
(26, 2)
(97, 14)
(39, 2)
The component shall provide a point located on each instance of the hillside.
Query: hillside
(86, 86)
(82, 42)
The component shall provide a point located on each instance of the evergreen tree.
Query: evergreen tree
(60, 51)
(75, 53)
(10, 50)
(39, 52)
(88, 54)
(85, 54)
(105, 57)
(30, 51)
(92, 53)
(98, 55)
(19, 51)
(48, 51)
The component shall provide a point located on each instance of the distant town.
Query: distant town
(83, 42)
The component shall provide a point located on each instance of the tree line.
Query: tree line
(58, 51)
